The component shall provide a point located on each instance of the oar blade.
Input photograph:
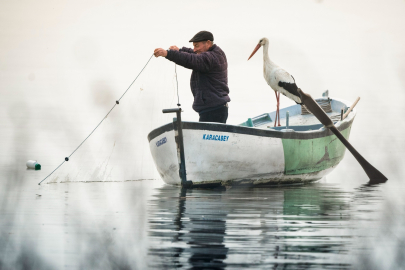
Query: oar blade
(374, 175)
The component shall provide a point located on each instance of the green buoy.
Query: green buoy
(33, 164)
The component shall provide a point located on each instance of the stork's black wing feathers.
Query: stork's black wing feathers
(290, 87)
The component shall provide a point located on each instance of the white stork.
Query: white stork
(278, 79)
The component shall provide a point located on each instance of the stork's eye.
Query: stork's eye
(261, 40)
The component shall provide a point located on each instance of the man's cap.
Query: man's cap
(202, 36)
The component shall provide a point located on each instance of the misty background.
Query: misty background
(63, 64)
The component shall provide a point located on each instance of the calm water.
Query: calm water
(149, 225)
(318, 226)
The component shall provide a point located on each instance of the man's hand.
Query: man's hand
(160, 52)
(174, 48)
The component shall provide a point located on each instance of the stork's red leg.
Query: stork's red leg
(278, 108)
(275, 120)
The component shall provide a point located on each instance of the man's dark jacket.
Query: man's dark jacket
(209, 79)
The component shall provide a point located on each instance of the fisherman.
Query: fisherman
(209, 79)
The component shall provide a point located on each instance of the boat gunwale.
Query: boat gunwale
(288, 134)
(237, 129)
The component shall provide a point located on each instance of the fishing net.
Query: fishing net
(118, 150)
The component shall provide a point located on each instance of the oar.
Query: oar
(375, 175)
(351, 108)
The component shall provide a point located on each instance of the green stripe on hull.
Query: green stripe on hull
(313, 155)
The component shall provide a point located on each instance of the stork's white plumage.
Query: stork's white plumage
(278, 79)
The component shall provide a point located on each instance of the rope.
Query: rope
(136, 77)
(177, 84)
(116, 103)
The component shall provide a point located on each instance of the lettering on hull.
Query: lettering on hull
(161, 141)
(211, 137)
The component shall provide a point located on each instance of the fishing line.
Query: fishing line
(177, 84)
(116, 103)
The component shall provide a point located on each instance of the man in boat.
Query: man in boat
(209, 79)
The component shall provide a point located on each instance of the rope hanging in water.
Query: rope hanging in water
(116, 103)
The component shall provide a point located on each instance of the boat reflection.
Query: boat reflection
(262, 227)
(188, 230)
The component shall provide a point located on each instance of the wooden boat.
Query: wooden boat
(254, 152)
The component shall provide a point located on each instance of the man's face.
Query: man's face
(201, 46)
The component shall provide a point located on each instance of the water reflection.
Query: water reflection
(188, 231)
(280, 228)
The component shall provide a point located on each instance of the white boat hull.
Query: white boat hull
(220, 154)
(242, 159)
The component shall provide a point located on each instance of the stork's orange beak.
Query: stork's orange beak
(255, 50)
